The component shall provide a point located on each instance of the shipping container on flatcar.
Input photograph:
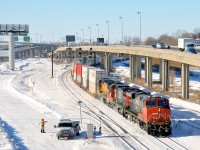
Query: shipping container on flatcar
(85, 75)
(79, 73)
(75, 68)
(94, 76)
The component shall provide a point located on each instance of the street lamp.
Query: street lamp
(79, 102)
(139, 13)
(98, 30)
(82, 30)
(90, 33)
(52, 64)
(122, 29)
(108, 30)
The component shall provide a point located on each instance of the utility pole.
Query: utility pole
(108, 30)
(52, 64)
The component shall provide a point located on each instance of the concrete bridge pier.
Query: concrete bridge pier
(131, 66)
(137, 67)
(106, 62)
(185, 80)
(160, 70)
(25, 54)
(165, 74)
(148, 70)
(11, 51)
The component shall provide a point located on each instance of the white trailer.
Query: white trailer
(183, 42)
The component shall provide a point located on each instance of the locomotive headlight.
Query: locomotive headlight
(166, 121)
(158, 109)
(154, 121)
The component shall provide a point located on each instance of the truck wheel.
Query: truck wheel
(77, 133)
(58, 137)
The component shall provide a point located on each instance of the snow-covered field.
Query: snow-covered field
(23, 104)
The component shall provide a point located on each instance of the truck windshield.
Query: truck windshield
(150, 104)
(65, 125)
(164, 104)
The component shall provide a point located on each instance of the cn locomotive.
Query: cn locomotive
(152, 113)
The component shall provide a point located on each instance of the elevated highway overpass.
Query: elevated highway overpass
(136, 53)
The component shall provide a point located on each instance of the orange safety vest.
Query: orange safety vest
(42, 122)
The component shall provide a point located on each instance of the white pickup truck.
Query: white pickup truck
(67, 128)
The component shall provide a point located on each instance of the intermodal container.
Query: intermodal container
(79, 70)
(92, 88)
(96, 74)
(85, 75)
(75, 76)
(79, 79)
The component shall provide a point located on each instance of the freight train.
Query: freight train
(152, 113)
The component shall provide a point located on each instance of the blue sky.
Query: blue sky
(52, 19)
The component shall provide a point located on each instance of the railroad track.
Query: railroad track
(106, 120)
(164, 142)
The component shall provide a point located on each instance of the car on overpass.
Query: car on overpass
(191, 50)
(160, 45)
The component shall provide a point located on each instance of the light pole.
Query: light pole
(90, 33)
(82, 30)
(52, 64)
(98, 30)
(139, 13)
(108, 30)
(122, 29)
(79, 102)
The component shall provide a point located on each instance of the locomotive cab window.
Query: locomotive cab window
(164, 104)
(150, 104)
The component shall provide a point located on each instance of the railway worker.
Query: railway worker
(42, 123)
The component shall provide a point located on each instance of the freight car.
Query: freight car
(152, 113)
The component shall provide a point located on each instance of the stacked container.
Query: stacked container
(94, 76)
(85, 76)
(75, 68)
(79, 73)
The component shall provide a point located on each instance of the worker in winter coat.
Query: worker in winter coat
(42, 123)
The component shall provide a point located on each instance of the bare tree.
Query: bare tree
(168, 40)
(196, 33)
(127, 40)
(150, 40)
(136, 40)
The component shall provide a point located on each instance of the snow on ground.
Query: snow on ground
(23, 104)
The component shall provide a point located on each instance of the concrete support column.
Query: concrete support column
(11, 51)
(185, 80)
(26, 53)
(102, 62)
(137, 67)
(145, 69)
(165, 74)
(108, 62)
(131, 66)
(149, 71)
(33, 53)
(160, 70)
